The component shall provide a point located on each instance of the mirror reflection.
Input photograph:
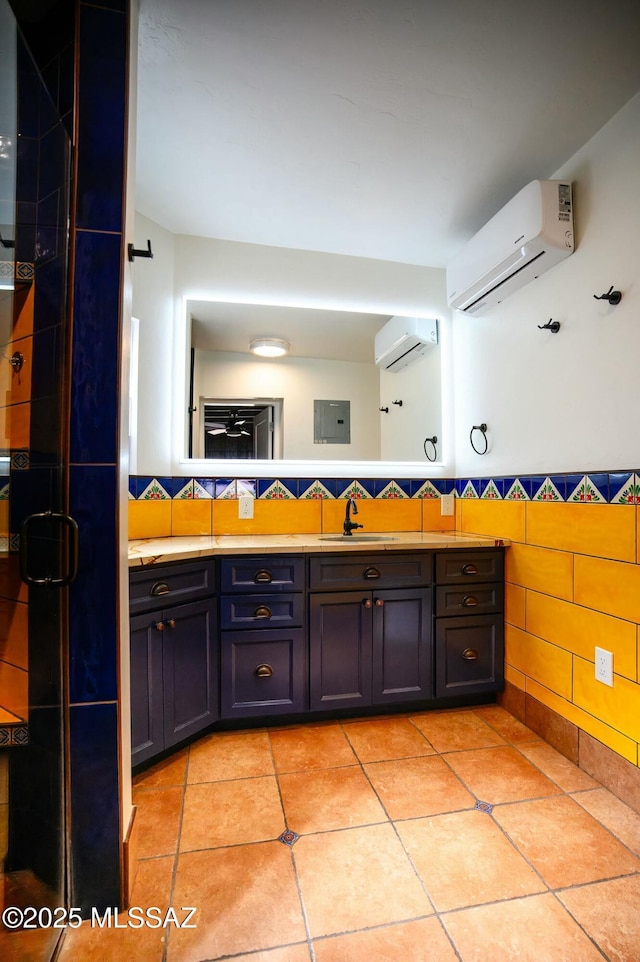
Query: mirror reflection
(323, 397)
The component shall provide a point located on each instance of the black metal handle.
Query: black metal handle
(51, 517)
(262, 611)
(159, 588)
(263, 576)
(370, 574)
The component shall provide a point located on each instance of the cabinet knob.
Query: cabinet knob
(370, 574)
(159, 588)
(469, 601)
(159, 626)
(171, 623)
(264, 671)
(262, 611)
(470, 654)
(469, 569)
(379, 602)
(263, 576)
(366, 602)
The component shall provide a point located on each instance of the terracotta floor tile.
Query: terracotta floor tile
(563, 842)
(506, 725)
(382, 739)
(158, 820)
(421, 941)
(500, 775)
(614, 815)
(559, 769)
(412, 787)
(330, 799)
(456, 731)
(615, 929)
(246, 897)
(464, 859)
(290, 953)
(95, 944)
(231, 813)
(357, 878)
(311, 747)
(165, 774)
(535, 929)
(230, 755)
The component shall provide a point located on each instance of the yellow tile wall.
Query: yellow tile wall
(572, 582)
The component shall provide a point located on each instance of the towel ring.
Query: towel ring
(483, 429)
(432, 441)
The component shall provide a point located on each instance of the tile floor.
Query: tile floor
(430, 837)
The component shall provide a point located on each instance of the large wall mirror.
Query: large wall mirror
(324, 399)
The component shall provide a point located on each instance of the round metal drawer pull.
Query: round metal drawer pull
(160, 588)
(263, 576)
(469, 601)
(379, 602)
(469, 569)
(159, 626)
(370, 573)
(264, 671)
(366, 602)
(470, 654)
(262, 611)
(171, 623)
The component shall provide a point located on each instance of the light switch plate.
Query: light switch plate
(446, 504)
(245, 506)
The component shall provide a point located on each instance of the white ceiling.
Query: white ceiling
(390, 129)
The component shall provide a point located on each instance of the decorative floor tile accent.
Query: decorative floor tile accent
(586, 491)
(316, 491)
(547, 491)
(516, 491)
(154, 491)
(629, 492)
(484, 807)
(278, 491)
(426, 491)
(288, 837)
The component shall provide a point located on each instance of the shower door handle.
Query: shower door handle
(69, 560)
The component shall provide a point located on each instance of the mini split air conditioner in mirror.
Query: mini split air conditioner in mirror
(532, 233)
(403, 340)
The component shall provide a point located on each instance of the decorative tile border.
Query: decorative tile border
(599, 487)
(17, 734)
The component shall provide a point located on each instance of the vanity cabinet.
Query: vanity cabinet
(370, 636)
(469, 622)
(263, 663)
(173, 655)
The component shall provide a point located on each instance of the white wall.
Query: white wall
(299, 380)
(566, 401)
(404, 429)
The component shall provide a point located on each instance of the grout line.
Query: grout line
(185, 782)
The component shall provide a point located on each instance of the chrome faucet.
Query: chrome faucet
(349, 525)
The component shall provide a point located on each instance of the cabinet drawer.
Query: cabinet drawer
(469, 655)
(383, 571)
(266, 573)
(261, 611)
(155, 586)
(453, 567)
(469, 599)
(263, 673)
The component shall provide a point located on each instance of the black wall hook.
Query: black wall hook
(386, 410)
(614, 297)
(135, 253)
(399, 403)
(553, 326)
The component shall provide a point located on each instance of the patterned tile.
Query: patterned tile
(279, 491)
(548, 491)
(156, 491)
(393, 489)
(288, 837)
(624, 491)
(244, 486)
(14, 735)
(185, 493)
(315, 491)
(424, 489)
(490, 489)
(444, 485)
(470, 489)
(515, 490)
(358, 489)
(204, 488)
(587, 491)
(225, 488)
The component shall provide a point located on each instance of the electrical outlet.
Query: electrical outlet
(446, 504)
(245, 506)
(604, 666)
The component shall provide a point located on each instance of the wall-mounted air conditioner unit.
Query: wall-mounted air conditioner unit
(403, 340)
(529, 235)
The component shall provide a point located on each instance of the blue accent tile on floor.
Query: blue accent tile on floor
(484, 807)
(288, 837)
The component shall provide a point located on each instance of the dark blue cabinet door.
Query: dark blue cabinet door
(340, 649)
(469, 655)
(147, 734)
(402, 659)
(263, 672)
(189, 669)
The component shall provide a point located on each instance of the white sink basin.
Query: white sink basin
(350, 538)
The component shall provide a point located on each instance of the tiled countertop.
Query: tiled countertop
(155, 550)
